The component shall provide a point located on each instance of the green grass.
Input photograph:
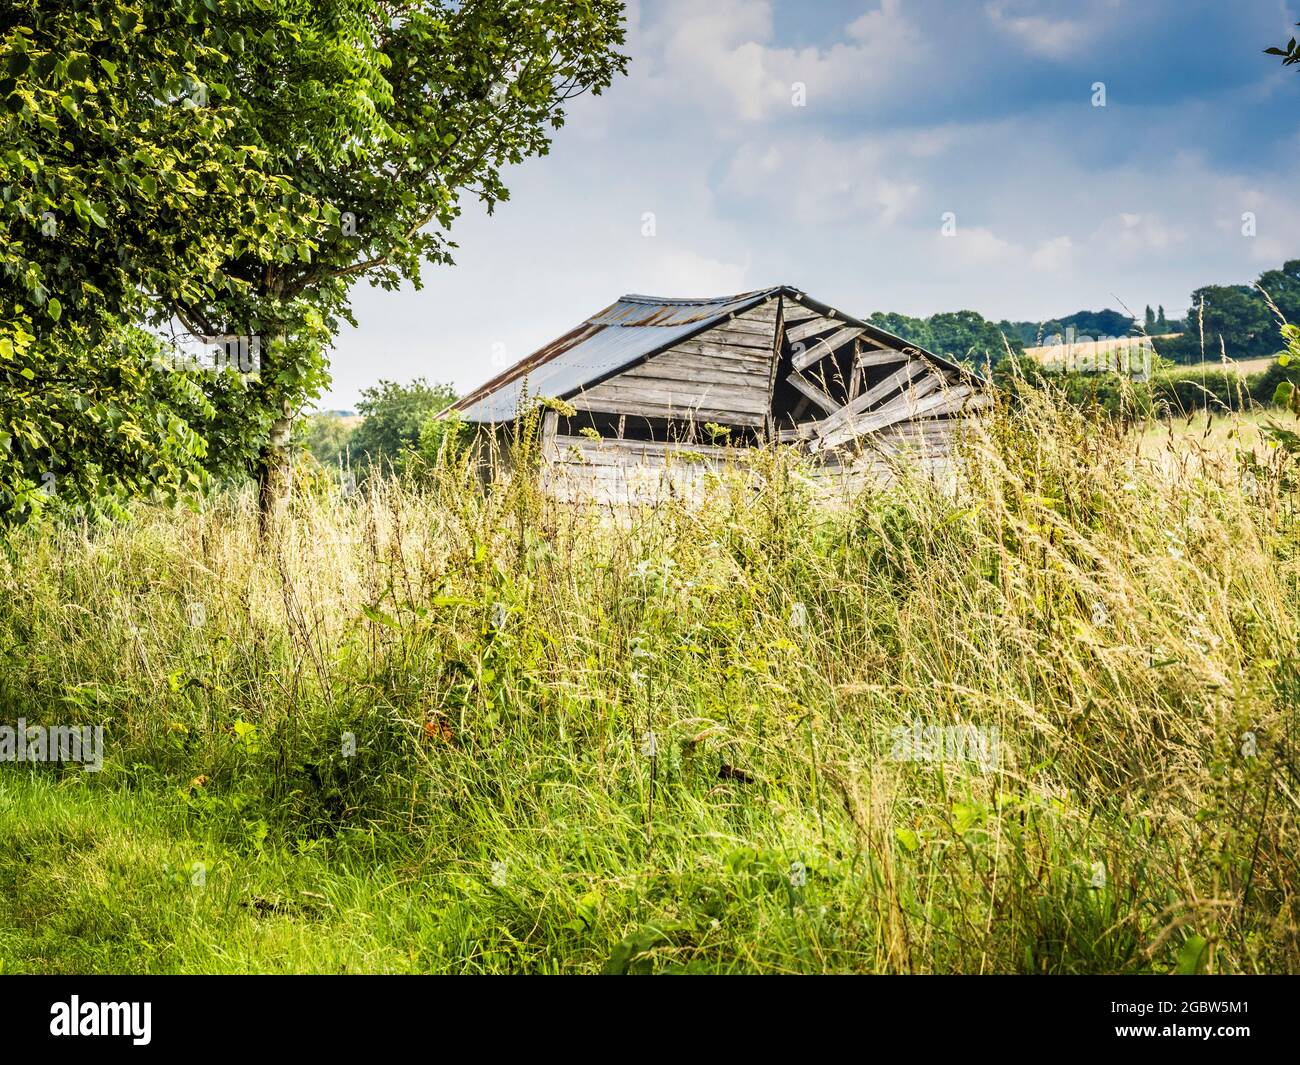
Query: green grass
(496, 660)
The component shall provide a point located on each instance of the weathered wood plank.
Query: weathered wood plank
(950, 401)
(684, 396)
(550, 421)
(804, 330)
(764, 312)
(682, 380)
(820, 347)
(927, 430)
(856, 377)
(796, 312)
(854, 426)
(873, 395)
(609, 452)
(744, 327)
(878, 357)
(618, 404)
(690, 367)
(807, 388)
(714, 350)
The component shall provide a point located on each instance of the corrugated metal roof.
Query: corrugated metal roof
(624, 333)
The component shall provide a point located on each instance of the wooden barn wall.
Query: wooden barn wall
(632, 472)
(923, 446)
(720, 375)
(902, 411)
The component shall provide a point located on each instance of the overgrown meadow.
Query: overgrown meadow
(1044, 723)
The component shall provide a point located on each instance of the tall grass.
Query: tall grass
(440, 728)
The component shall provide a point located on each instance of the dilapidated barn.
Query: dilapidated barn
(659, 385)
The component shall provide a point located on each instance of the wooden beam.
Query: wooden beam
(822, 347)
(814, 393)
(857, 426)
(878, 357)
(795, 432)
(810, 328)
(875, 394)
(950, 401)
(793, 311)
(550, 423)
(773, 359)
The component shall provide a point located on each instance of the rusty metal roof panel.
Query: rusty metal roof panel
(623, 334)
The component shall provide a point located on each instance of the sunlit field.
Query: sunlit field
(1045, 723)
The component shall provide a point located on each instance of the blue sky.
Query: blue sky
(980, 108)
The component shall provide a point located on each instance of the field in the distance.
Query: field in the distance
(1045, 725)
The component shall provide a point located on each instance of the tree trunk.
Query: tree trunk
(275, 471)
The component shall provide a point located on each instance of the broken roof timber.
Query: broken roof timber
(635, 328)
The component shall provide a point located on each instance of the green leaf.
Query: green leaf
(380, 618)
(636, 943)
(54, 308)
(1194, 956)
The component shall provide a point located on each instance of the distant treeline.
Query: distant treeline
(1170, 389)
(1235, 319)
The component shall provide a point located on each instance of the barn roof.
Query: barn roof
(611, 340)
(625, 333)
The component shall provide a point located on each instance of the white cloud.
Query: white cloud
(975, 246)
(1054, 254)
(718, 59)
(1059, 207)
(1042, 34)
(1134, 233)
(865, 182)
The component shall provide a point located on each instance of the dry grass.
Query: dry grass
(1118, 630)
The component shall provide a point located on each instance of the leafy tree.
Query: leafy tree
(968, 336)
(1237, 315)
(384, 116)
(118, 193)
(1149, 322)
(1290, 53)
(85, 428)
(444, 438)
(962, 335)
(239, 165)
(914, 329)
(1162, 324)
(1095, 324)
(1283, 288)
(395, 414)
(326, 436)
(1026, 332)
